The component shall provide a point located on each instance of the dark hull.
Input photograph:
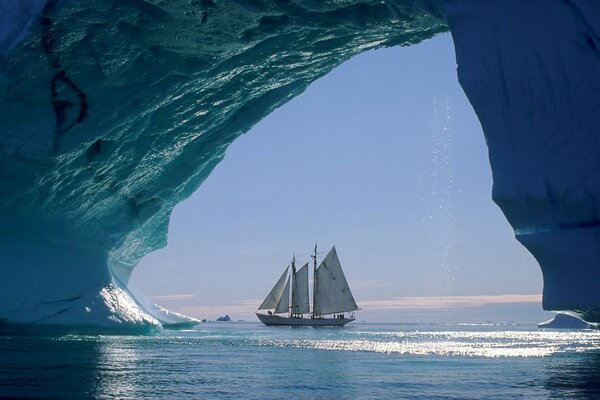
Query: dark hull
(275, 320)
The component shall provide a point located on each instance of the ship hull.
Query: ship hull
(275, 320)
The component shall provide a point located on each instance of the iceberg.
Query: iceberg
(112, 112)
(531, 71)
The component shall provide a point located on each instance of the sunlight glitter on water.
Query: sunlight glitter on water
(481, 343)
(468, 344)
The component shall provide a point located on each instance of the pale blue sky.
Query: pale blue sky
(385, 158)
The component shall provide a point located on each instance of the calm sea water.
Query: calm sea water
(361, 361)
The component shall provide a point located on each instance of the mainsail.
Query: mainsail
(283, 305)
(274, 296)
(300, 301)
(332, 294)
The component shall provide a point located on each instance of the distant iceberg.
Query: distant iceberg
(113, 112)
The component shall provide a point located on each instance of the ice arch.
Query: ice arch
(111, 112)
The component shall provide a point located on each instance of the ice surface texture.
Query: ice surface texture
(112, 112)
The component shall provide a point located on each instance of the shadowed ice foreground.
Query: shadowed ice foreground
(112, 112)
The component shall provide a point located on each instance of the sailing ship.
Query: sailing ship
(331, 296)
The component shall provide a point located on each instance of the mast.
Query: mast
(293, 284)
(314, 257)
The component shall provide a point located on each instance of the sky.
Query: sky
(385, 159)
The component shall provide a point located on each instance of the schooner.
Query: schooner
(331, 296)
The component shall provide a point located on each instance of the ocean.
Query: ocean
(361, 361)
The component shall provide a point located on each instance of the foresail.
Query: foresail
(300, 301)
(332, 292)
(284, 302)
(275, 294)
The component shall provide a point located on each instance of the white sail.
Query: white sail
(300, 302)
(332, 294)
(284, 302)
(275, 294)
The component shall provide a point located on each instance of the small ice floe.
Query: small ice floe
(566, 321)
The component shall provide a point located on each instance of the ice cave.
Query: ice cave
(112, 112)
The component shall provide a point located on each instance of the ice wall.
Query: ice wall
(531, 70)
(111, 112)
